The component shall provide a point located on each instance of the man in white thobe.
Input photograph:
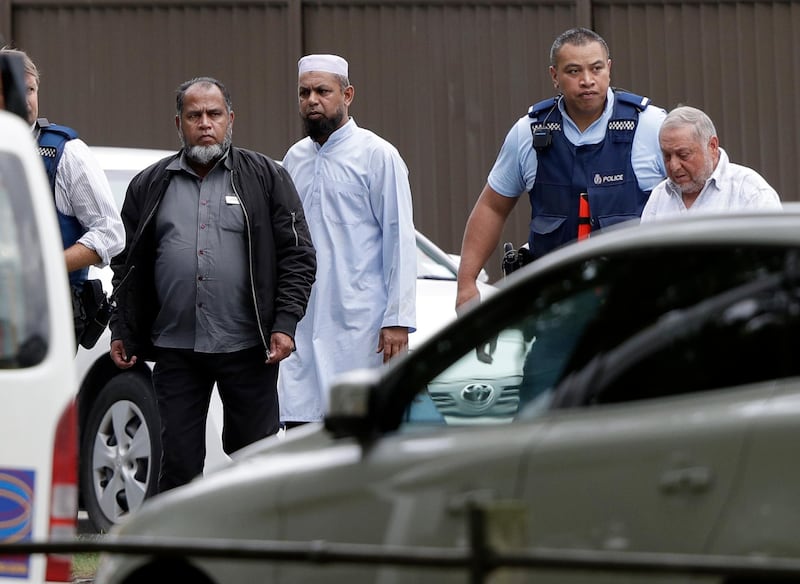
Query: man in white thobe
(357, 201)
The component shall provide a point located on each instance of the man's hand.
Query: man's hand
(120, 357)
(467, 292)
(393, 341)
(281, 346)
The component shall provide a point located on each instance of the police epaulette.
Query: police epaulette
(637, 101)
(68, 133)
(545, 104)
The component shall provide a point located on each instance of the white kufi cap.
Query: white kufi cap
(325, 63)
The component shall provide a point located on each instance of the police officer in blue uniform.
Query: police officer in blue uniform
(588, 155)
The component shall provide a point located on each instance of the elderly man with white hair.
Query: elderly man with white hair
(357, 201)
(700, 177)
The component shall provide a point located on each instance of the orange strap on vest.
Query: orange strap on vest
(584, 218)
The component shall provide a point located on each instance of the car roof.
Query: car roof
(128, 158)
(766, 227)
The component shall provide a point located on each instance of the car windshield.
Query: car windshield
(639, 325)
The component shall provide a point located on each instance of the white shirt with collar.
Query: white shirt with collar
(82, 191)
(731, 187)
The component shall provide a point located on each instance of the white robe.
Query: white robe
(357, 202)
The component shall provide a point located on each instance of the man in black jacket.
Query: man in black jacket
(216, 274)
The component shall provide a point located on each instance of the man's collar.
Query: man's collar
(340, 133)
(608, 109)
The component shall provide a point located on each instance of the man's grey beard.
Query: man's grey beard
(205, 155)
(697, 185)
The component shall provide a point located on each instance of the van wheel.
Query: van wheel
(121, 450)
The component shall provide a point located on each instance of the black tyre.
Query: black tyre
(168, 570)
(120, 450)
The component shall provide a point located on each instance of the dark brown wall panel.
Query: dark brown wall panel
(111, 71)
(444, 83)
(738, 61)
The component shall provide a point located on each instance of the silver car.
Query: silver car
(634, 392)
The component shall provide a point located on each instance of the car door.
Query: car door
(412, 488)
(651, 476)
(762, 515)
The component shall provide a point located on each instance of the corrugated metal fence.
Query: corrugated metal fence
(441, 79)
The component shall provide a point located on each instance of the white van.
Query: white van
(38, 420)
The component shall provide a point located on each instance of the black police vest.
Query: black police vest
(603, 171)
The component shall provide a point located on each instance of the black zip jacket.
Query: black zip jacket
(281, 256)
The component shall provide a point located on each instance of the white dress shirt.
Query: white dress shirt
(83, 192)
(731, 187)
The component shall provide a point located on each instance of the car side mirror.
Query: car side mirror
(350, 412)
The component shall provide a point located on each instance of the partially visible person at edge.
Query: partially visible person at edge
(355, 191)
(589, 142)
(12, 83)
(700, 177)
(214, 278)
(91, 228)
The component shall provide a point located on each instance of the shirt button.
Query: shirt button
(200, 252)
(199, 278)
(202, 226)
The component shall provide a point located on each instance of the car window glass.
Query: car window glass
(119, 180)
(24, 332)
(737, 324)
(637, 325)
(519, 364)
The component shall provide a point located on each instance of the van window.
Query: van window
(24, 318)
